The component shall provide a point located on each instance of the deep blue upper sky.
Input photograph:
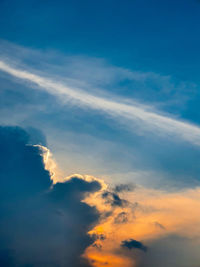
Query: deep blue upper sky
(161, 36)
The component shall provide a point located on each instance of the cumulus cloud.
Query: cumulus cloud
(81, 221)
(48, 223)
(42, 224)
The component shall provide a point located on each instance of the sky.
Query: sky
(99, 133)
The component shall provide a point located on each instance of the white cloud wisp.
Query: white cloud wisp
(138, 118)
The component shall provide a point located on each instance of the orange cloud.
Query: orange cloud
(150, 214)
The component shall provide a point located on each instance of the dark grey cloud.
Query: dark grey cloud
(113, 199)
(112, 196)
(133, 244)
(41, 224)
(21, 166)
(159, 225)
(121, 217)
(124, 188)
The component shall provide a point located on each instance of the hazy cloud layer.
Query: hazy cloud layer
(171, 250)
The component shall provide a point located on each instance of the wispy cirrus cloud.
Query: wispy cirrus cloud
(137, 117)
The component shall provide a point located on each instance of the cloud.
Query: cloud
(124, 187)
(138, 118)
(151, 216)
(133, 244)
(42, 224)
(159, 225)
(122, 217)
(121, 148)
(171, 250)
(22, 169)
(113, 199)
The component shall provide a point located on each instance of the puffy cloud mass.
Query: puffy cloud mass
(79, 221)
(42, 224)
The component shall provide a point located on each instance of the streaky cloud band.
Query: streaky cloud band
(137, 117)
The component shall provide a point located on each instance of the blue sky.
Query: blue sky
(111, 88)
(145, 35)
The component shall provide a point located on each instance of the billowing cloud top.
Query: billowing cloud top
(41, 224)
